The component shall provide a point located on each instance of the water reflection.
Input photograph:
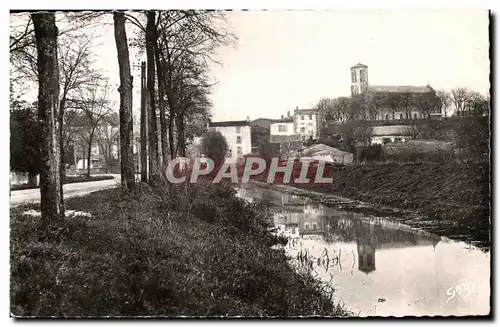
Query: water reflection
(333, 226)
(366, 259)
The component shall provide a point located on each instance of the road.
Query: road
(70, 190)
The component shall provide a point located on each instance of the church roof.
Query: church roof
(400, 89)
(359, 65)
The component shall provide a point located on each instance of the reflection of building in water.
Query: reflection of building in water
(345, 227)
(366, 257)
(366, 247)
(312, 221)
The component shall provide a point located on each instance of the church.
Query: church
(391, 102)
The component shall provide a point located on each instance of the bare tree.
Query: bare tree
(125, 89)
(95, 106)
(151, 37)
(443, 99)
(187, 41)
(428, 103)
(107, 136)
(394, 102)
(45, 31)
(406, 100)
(460, 96)
(477, 104)
(75, 67)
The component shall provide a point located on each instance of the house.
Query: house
(262, 122)
(306, 123)
(260, 129)
(389, 102)
(391, 134)
(322, 152)
(283, 126)
(237, 135)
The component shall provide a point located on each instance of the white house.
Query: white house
(237, 135)
(391, 134)
(306, 122)
(283, 126)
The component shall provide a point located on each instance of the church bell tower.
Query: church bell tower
(359, 79)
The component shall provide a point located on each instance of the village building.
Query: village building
(237, 135)
(283, 126)
(306, 122)
(391, 134)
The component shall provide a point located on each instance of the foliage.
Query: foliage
(25, 141)
(214, 145)
(371, 153)
(142, 259)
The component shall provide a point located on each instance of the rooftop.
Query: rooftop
(393, 130)
(359, 65)
(306, 111)
(400, 89)
(229, 123)
(283, 120)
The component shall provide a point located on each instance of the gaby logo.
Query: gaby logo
(182, 169)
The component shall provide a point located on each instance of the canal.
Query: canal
(378, 267)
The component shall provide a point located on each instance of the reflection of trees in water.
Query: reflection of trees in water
(376, 233)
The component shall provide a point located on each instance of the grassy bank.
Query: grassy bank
(192, 250)
(453, 198)
(69, 180)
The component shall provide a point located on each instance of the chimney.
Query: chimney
(296, 108)
(282, 116)
(248, 119)
(288, 114)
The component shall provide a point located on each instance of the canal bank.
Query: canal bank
(176, 250)
(378, 267)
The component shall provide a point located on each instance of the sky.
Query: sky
(287, 59)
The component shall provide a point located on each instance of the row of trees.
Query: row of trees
(179, 47)
(368, 106)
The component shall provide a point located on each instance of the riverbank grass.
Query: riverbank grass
(184, 250)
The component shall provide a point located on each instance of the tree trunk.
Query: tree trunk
(89, 154)
(125, 89)
(62, 171)
(152, 133)
(51, 205)
(32, 179)
(181, 135)
(144, 126)
(171, 137)
(163, 122)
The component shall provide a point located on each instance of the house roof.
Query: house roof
(399, 89)
(283, 120)
(229, 123)
(306, 111)
(393, 130)
(359, 65)
(262, 122)
(322, 149)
